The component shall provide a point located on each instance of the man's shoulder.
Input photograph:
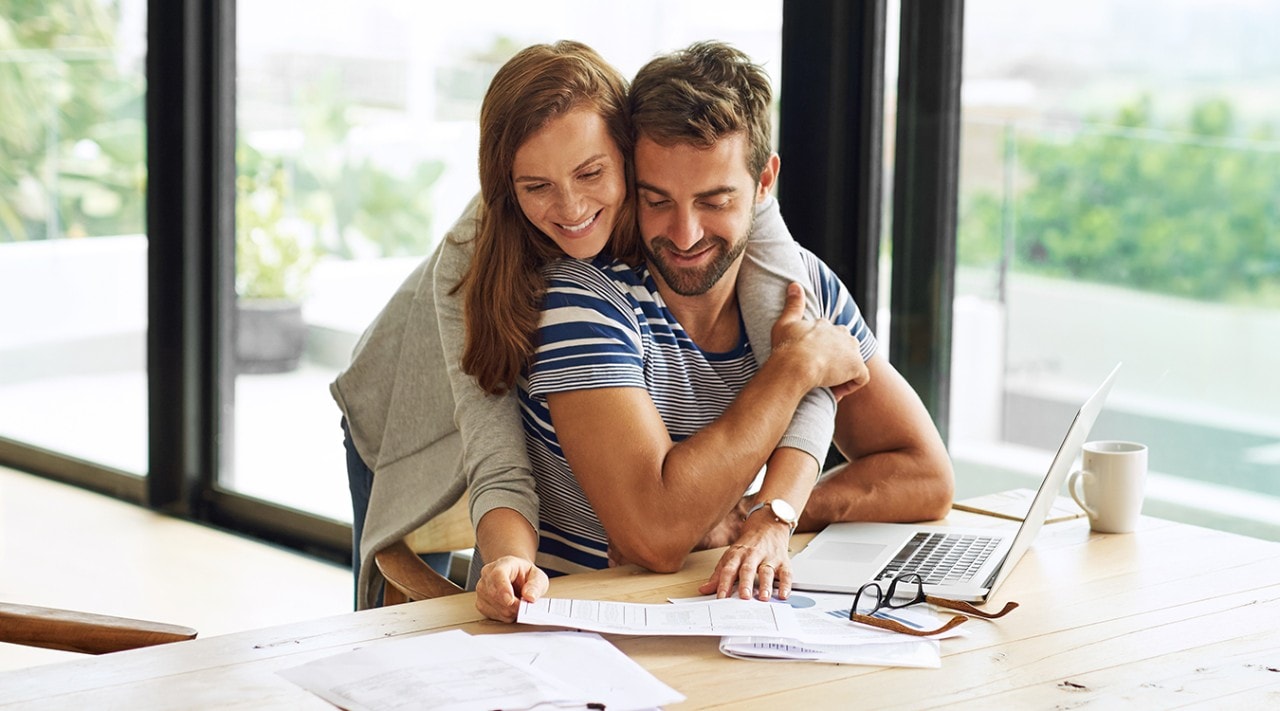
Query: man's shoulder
(822, 276)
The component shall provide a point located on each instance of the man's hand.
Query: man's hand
(757, 561)
(504, 583)
(830, 350)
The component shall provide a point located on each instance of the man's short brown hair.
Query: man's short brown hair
(701, 94)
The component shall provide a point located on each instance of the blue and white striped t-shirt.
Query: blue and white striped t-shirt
(605, 325)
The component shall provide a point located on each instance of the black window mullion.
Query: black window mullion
(182, 197)
(831, 136)
(926, 178)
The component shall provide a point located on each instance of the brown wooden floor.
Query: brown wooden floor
(61, 546)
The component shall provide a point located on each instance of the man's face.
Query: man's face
(696, 207)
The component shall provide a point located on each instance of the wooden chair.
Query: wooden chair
(408, 577)
(83, 632)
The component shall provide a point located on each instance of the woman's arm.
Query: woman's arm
(772, 262)
(759, 542)
(504, 503)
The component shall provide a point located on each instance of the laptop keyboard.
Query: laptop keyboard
(941, 558)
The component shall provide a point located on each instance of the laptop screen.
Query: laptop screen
(1052, 483)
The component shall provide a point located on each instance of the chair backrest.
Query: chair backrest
(408, 578)
(450, 531)
(84, 632)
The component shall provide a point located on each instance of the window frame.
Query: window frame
(833, 58)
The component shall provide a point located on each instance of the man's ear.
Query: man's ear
(768, 177)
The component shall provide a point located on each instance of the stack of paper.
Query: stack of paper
(455, 671)
(827, 635)
(812, 627)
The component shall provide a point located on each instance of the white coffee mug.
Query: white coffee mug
(1110, 484)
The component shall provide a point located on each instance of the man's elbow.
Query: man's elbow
(657, 556)
(935, 500)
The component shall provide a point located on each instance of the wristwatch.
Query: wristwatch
(781, 510)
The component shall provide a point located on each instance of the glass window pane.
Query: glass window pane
(73, 248)
(357, 144)
(1120, 201)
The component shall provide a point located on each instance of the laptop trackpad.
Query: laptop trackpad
(848, 551)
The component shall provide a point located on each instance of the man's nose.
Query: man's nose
(685, 230)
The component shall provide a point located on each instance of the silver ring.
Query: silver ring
(766, 565)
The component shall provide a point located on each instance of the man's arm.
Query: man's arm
(657, 498)
(898, 468)
(898, 471)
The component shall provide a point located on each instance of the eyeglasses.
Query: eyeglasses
(905, 590)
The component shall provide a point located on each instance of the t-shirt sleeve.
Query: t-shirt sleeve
(837, 304)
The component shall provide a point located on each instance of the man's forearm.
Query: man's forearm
(894, 486)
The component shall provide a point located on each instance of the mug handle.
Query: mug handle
(1072, 481)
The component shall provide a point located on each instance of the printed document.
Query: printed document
(716, 618)
(456, 671)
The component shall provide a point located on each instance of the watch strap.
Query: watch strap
(790, 524)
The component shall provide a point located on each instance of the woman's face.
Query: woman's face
(570, 181)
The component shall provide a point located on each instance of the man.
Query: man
(645, 411)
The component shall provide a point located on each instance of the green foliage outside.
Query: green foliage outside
(319, 200)
(72, 138)
(271, 262)
(71, 124)
(1191, 212)
(362, 209)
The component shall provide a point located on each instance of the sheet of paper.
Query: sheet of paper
(456, 671)
(597, 668)
(923, 653)
(716, 618)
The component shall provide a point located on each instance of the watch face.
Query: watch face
(783, 510)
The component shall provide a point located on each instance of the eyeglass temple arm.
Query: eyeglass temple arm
(894, 626)
(968, 609)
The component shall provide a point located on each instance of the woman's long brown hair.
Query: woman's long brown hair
(503, 286)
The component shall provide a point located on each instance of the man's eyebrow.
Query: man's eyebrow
(721, 190)
(641, 185)
(578, 167)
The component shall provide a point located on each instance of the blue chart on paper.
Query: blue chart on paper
(797, 601)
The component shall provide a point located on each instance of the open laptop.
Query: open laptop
(959, 563)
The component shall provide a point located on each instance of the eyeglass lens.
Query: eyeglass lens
(904, 590)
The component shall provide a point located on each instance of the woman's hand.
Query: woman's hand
(825, 351)
(756, 562)
(504, 583)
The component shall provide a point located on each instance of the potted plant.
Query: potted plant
(272, 266)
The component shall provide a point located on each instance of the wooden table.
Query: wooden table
(1170, 616)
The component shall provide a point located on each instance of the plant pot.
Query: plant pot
(270, 335)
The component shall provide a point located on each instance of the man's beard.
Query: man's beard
(694, 282)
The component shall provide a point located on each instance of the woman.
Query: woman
(554, 172)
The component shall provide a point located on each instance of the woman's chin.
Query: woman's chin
(584, 247)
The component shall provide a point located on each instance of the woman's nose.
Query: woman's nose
(572, 203)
